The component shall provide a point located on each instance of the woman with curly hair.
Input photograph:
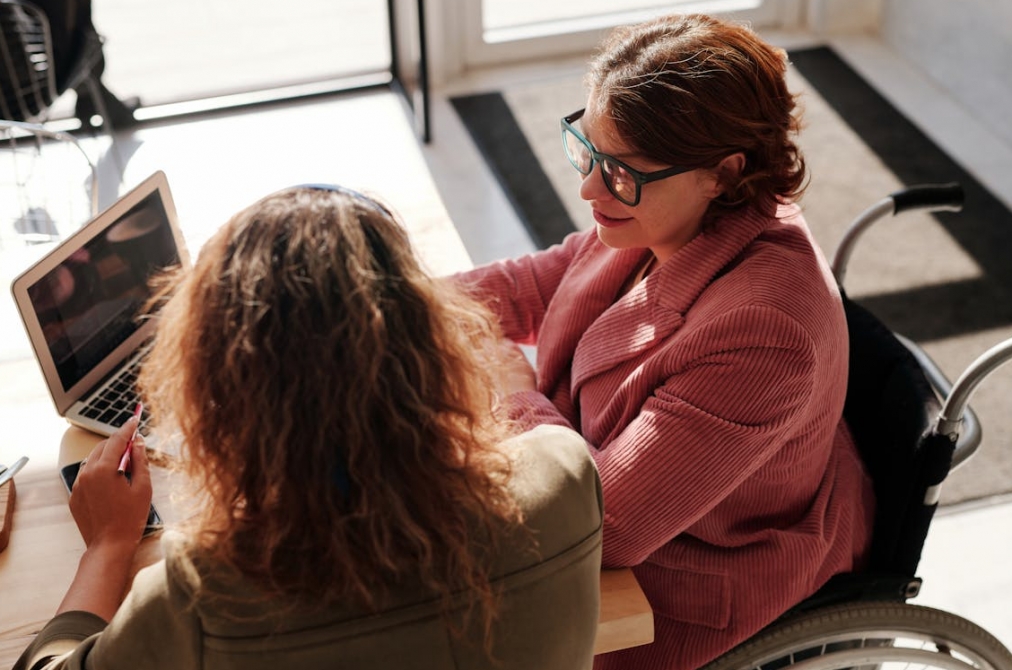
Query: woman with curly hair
(696, 338)
(365, 503)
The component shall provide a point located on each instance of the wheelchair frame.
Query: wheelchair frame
(862, 620)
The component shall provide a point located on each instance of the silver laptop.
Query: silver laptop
(83, 304)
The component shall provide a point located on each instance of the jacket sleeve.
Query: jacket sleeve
(62, 642)
(518, 290)
(152, 629)
(529, 409)
(729, 407)
(156, 627)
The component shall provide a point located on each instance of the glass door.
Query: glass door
(168, 52)
(503, 31)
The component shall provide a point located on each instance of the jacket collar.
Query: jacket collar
(656, 307)
(680, 281)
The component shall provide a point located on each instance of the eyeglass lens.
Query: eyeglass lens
(619, 181)
(616, 178)
(578, 153)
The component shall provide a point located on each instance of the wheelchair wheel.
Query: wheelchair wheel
(867, 635)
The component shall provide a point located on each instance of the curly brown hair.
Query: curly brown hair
(335, 404)
(690, 90)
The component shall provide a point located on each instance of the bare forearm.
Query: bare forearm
(102, 578)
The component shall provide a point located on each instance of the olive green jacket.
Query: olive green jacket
(548, 614)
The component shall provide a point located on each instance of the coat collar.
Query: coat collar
(655, 307)
(680, 281)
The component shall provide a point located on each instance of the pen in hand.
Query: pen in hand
(124, 460)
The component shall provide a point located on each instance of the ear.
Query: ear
(727, 170)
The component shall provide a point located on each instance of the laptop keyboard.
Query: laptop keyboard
(114, 403)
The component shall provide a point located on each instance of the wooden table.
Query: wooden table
(41, 558)
(626, 619)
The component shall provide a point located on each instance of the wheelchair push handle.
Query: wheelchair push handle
(932, 197)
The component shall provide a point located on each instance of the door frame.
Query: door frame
(459, 42)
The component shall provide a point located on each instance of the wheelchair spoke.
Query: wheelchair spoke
(871, 636)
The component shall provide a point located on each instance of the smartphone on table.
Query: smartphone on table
(68, 474)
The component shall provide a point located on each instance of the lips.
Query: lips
(607, 221)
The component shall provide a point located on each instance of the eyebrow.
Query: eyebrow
(621, 156)
(624, 157)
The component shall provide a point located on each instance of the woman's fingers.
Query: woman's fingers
(105, 503)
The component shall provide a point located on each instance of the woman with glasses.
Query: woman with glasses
(364, 503)
(696, 339)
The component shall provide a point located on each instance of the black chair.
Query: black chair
(37, 67)
(27, 74)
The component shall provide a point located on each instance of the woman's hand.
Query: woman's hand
(110, 510)
(110, 507)
(518, 374)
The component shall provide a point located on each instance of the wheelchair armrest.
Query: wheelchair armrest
(955, 408)
(969, 437)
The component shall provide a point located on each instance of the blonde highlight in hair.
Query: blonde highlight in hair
(334, 406)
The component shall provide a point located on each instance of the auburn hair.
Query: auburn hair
(335, 404)
(690, 90)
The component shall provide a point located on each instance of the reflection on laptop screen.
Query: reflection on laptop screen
(90, 303)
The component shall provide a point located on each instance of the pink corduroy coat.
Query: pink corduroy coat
(711, 397)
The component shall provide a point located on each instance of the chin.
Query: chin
(618, 238)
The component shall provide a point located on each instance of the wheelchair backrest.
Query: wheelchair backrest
(890, 410)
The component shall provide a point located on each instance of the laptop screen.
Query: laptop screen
(91, 302)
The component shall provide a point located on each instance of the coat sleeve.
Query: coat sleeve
(156, 627)
(529, 409)
(152, 629)
(728, 408)
(62, 642)
(518, 290)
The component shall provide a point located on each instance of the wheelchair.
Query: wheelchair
(912, 428)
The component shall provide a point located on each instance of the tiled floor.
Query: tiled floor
(217, 165)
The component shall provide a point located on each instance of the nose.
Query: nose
(592, 187)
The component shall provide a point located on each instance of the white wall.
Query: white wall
(829, 17)
(965, 47)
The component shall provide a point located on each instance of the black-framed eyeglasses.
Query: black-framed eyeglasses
(624, 182)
